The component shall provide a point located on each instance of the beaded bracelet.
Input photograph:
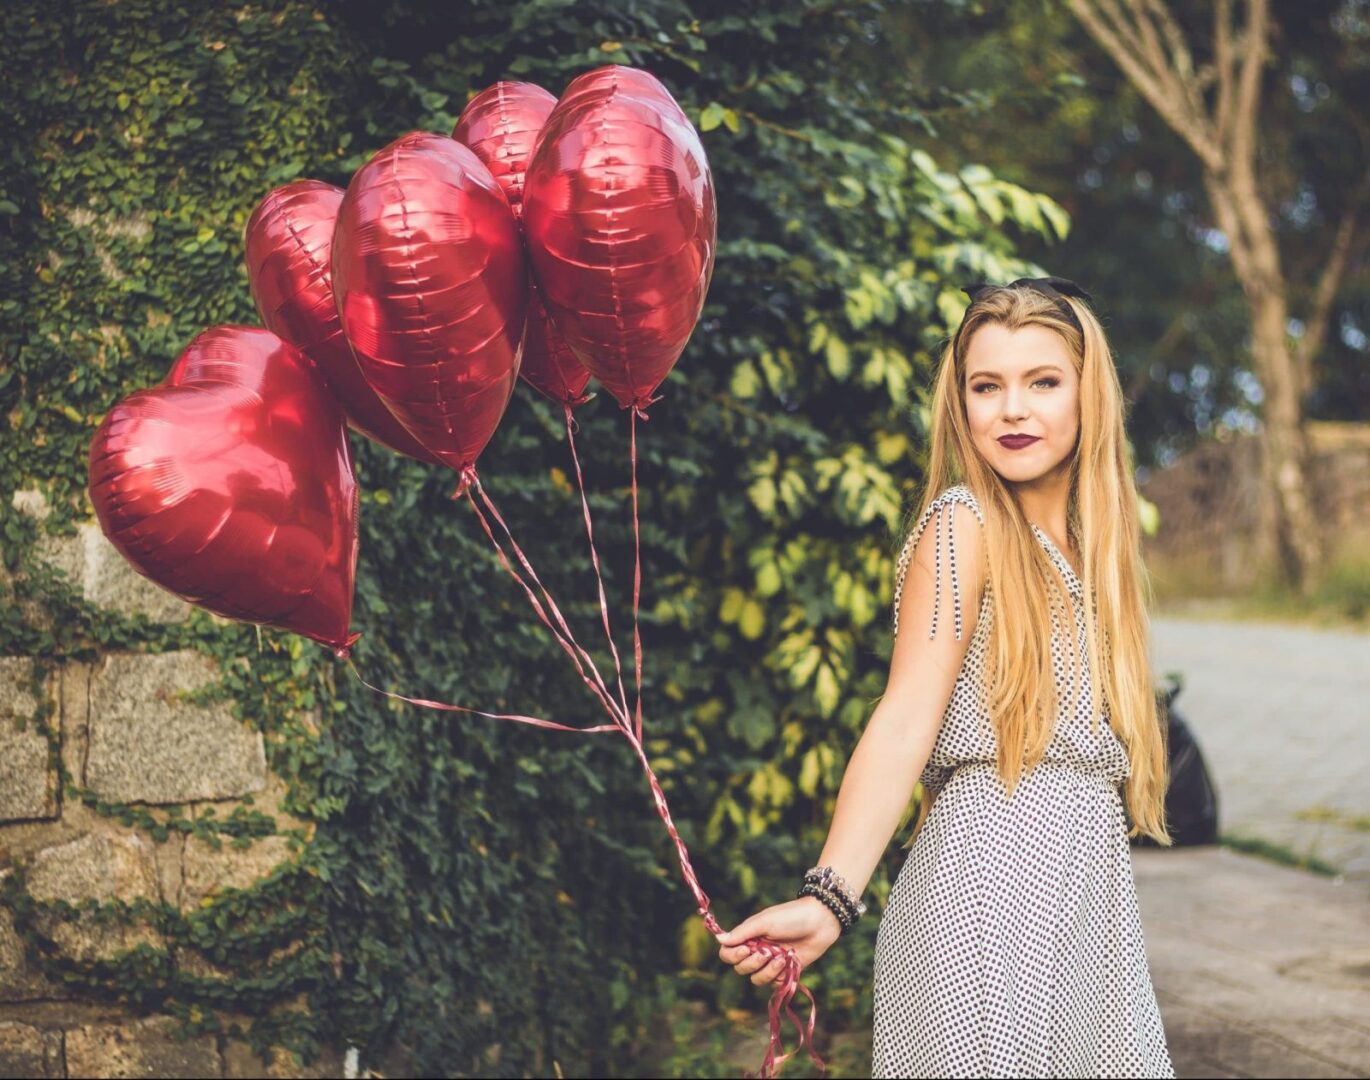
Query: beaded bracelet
(850, 913)
(827, 877)
(832, 903)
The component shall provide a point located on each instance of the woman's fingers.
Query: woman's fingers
(773, 969)
(756, 926)
(761, 966)
(790, 924)
(751, 962)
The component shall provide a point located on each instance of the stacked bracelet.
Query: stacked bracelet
(832, 890)
(830, 901)
(830, 879)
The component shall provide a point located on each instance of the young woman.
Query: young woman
(1011, 944)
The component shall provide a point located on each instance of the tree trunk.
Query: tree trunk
(1285, 455)
(1286, 461)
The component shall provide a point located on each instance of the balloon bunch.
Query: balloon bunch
(553, 239)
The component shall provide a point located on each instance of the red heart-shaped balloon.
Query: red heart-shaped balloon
(431, 282)
(231, 485)
(501, 125)
(289, 252)
(621, 224)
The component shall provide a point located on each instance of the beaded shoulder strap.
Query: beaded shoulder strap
(941, 509)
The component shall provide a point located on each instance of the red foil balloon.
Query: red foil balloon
(231, 485)
(289, 242)
(621, 223)
(549, 365)
(501, 124)
(430, 279)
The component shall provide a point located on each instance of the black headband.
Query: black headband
(1055, 287)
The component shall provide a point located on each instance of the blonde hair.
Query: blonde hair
(1027, 587)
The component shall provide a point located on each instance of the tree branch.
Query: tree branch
(1253, 47)
(1150, 41)
(1329, 282)
(1179, 61)
(1179, 48)
(1220, 198)
(1107, 25)
(1241, 178)
(1222, 51)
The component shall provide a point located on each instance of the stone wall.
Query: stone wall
(125, 733)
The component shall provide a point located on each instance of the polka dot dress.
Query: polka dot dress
(1011, 945)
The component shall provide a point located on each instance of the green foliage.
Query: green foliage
(1279, 853)
(471, 883)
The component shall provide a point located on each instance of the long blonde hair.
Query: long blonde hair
(1025, 584)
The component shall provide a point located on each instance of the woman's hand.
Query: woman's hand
(804, 925)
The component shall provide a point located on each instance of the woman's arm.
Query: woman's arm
(893, 749)
(900, 734)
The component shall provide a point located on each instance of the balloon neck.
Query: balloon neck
(640, 405)
(467, 478)
(344, 651)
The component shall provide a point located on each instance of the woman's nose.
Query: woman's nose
(1013, 405)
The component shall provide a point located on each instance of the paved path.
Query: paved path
(1282, 715)
(1260, 969)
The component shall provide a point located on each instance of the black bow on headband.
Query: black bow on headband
(1055, 287)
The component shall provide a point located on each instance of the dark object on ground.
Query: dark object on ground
(1191, 803)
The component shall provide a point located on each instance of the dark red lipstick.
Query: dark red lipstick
(1017, 442)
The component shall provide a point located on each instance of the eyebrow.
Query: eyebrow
(1030, 371)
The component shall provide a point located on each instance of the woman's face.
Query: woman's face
(1022, 383)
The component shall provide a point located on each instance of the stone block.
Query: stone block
(18, 980)
(206, 872)
(241, 1061)
(95, 568)
(27, 1051)
(139, 1048)
(169, 857)
(110, 580)
(11, 948)
(147, 744)
(28, 784)
(31, 502)
(98, 866)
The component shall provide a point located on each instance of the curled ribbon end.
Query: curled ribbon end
(785, 989)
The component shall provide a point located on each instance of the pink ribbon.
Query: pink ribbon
(631, 727)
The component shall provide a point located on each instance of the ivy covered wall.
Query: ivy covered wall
(481, 897)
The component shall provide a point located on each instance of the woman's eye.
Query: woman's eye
(1050, 382)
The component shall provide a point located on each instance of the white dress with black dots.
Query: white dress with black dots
(1011, 945)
